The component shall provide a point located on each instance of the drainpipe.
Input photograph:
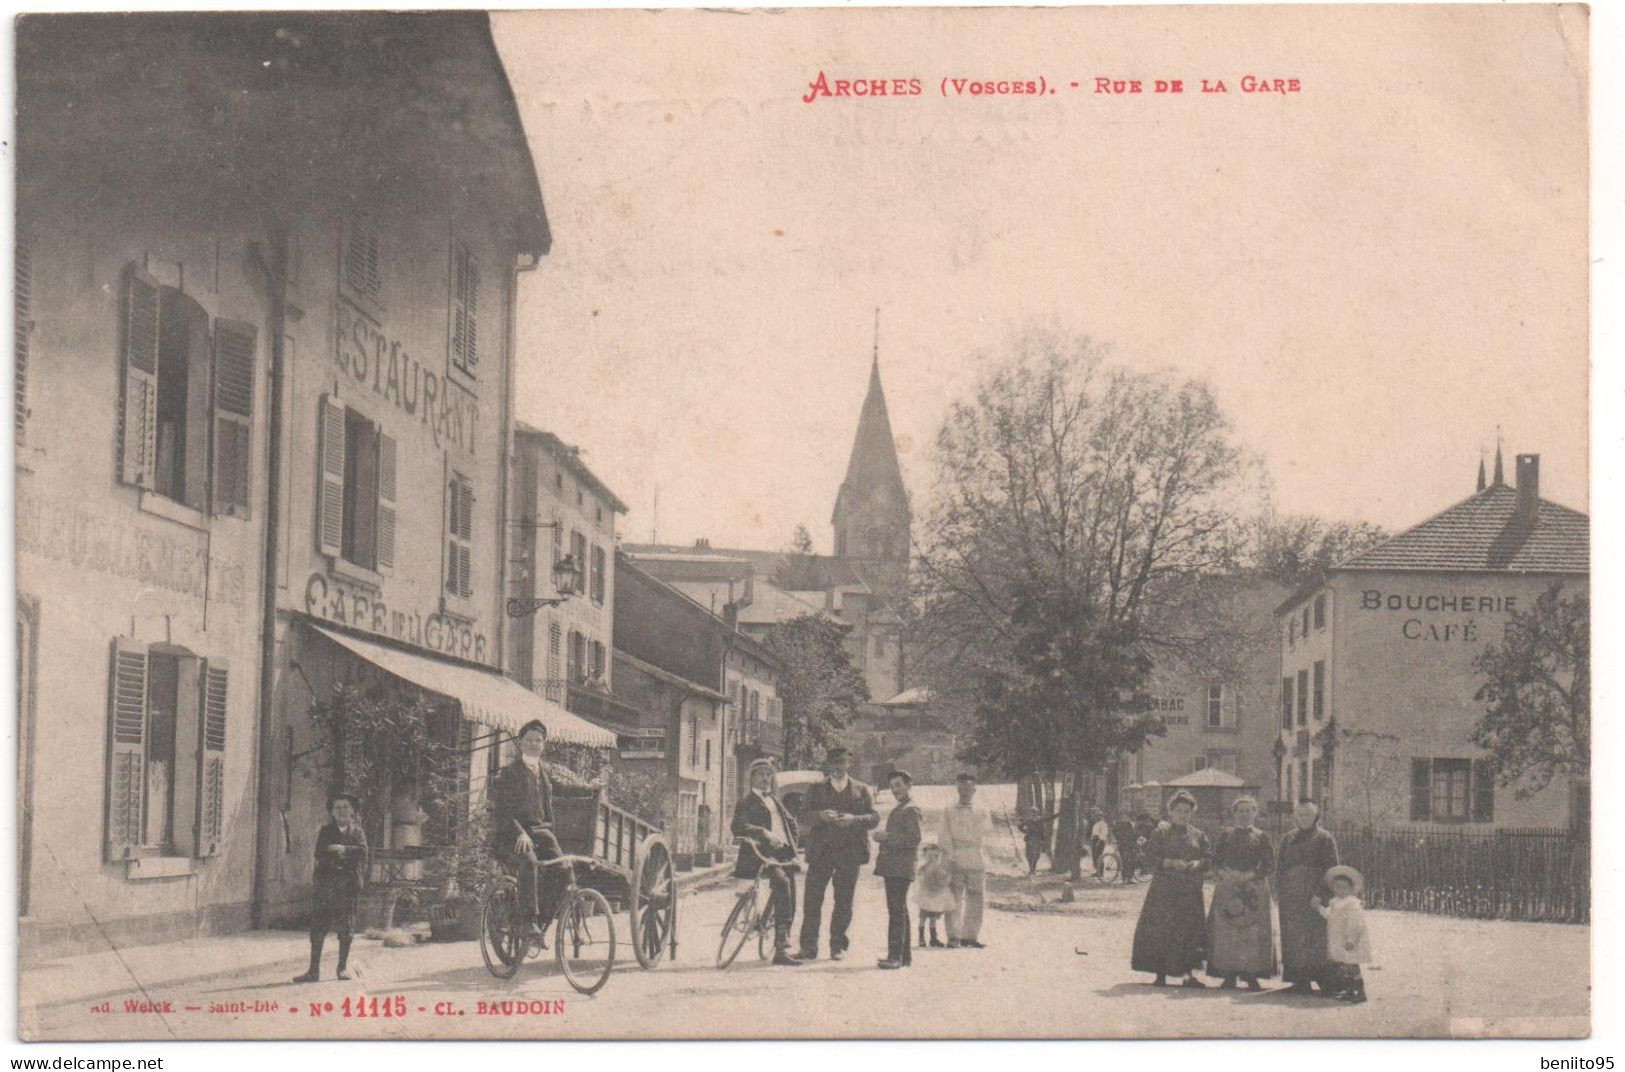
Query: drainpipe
(522, 263)
(276, 275)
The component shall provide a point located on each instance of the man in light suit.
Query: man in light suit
(522, 833)
(771, 833)
(840, 813)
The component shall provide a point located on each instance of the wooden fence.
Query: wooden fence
(1541, 875)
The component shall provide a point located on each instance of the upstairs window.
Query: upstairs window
(465, 293)
(1286, 703)
(355, 520)
(187, 407)
(1320, 611)
(555, 646)
(578, 555)
(599, 569)
(361, 275)
(1303, 697)
(1320, 689)
(460, 536)
(1220, 715)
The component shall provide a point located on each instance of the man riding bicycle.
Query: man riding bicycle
(523, 830)
(770, 834)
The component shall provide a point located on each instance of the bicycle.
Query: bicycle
(583, 938)
(746, 919)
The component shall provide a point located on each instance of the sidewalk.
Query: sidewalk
(125, 972)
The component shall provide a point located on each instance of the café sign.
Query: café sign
(327, 597)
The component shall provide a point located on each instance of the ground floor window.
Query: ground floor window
(1446, 790)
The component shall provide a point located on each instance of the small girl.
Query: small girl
(341, 861)
(932, 895)
(1347, 943)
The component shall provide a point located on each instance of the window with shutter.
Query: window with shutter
(386, 501)
(138, 412)
(127, 749)
(598, 570)
(1303, 697)
(555, 645)
(233, 415)
(460, 536)
(211, 796)
(330, 512)
(362, 269)
(465, 293)
(1286, 703)
(1421, 790)
(23, 325)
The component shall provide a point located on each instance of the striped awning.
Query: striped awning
(485, 695)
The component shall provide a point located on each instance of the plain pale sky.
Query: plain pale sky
(1374, 273)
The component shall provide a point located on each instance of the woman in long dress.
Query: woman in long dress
(1307, 853)
(1241, 939)
(1171, 937)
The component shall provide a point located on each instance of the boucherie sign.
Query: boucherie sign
(372, 356)
(1422, 610)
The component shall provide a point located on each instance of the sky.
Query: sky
(1376, 274)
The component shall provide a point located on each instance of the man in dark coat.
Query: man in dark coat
(895, 864)
(522, 833)
(1128, 849)
(770, 833)
(341, 868)
(840, 812)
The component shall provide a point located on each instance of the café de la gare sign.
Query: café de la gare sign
(327, 597)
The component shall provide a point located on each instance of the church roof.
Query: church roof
(872, 470)
(1483, 533)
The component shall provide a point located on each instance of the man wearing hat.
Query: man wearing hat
(771, 833)
(522, 833)
(341, 864)
(840, 812)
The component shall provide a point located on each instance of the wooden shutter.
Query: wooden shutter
(211, 796)
(330, 508)
(465, 350)
(460, 538)
(1483, 792)
(127, 748)
(386, 501)
(138, 413)
(361, 261)
(233, 415)
(22, 300)
(1421, 790)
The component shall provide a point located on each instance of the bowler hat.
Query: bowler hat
(835, 753)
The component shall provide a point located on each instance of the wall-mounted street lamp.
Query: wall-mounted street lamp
(566, 578)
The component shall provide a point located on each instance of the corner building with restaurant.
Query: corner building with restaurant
(1378, 660)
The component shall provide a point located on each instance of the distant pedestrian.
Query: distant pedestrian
(1348, 944)
(933, 893)
(840, 814)
(894, 863)
(1100, 832)
(1171, 936)
(1300, 870)
(341, 865)
(1241, 938)
(965, 829)
(1128, 848)
(1034, 836)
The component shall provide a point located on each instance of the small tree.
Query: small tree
(820, 687)
(1537, 693)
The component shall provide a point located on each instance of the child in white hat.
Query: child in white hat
(932, 893)
(1348, 944)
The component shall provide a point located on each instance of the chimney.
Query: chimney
(702, 542)
(1528, 476)
(730, 615)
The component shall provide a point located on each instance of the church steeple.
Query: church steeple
(871, 516)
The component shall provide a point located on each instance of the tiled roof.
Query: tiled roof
(1483, 534)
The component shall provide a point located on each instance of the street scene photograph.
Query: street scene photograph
(874, 523)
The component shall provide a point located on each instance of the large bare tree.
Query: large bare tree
(1079, 506)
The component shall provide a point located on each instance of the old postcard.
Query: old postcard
(866, 523)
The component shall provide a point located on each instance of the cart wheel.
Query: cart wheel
(584, 940)
(654, 902)
(502, 939)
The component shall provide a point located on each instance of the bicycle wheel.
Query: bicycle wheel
(502, 941)
(584, 940)
(764, 925)
(737, 929)
(1110, 867)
